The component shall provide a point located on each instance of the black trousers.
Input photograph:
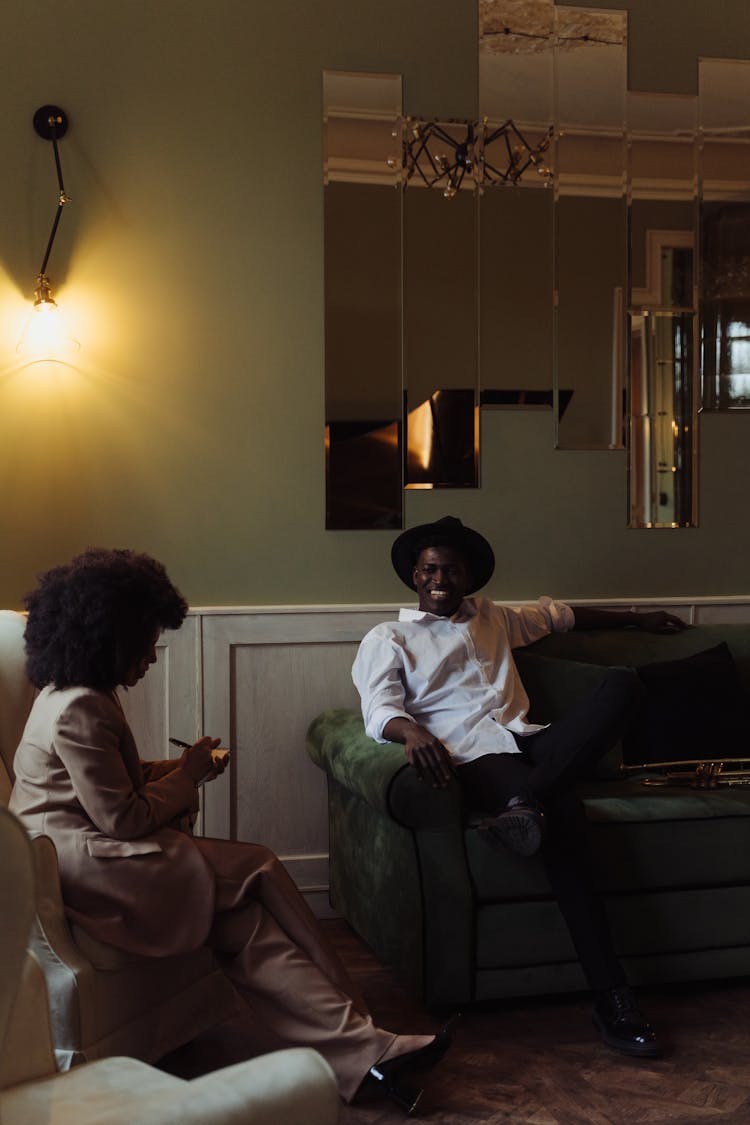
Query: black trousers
(545, 771)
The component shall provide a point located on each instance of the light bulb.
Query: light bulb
(46, 335)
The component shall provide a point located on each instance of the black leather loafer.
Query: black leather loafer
(622, 1025)
(519, 828)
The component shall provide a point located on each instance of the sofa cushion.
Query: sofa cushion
(693, 708)
(633, 647)
(554, 685)
(644, 923)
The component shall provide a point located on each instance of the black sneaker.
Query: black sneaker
(519, 828)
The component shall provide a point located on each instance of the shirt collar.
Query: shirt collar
(466, 610)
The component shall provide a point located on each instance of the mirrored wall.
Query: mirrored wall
(580, 249)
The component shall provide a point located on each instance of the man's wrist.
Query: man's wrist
(397, 728)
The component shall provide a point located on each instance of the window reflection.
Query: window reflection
(726, 358)
(725, 340)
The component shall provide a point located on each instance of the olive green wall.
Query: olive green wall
(190, 264)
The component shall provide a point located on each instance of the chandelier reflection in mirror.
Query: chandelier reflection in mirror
(453, 154)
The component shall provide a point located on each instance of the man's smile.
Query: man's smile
(440, 580)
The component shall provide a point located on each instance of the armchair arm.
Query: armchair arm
(52, 928)
(379, 774)
(64, 967)
(295, 1085)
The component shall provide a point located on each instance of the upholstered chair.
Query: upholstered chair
(102, 1001)
(294, 1086)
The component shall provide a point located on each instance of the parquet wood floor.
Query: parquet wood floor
(540, 1062)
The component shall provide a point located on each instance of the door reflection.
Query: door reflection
(662, 411)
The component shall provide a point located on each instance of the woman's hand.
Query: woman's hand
(198, 763)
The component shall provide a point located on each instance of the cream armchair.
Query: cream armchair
(295, 1086)
(102, 1002)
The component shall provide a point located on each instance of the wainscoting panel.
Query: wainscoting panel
(734, 611)
(167, 702)
(256, 677)
(265, 678)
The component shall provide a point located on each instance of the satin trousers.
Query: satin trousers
(269, 944)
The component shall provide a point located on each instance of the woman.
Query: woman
(130, 875)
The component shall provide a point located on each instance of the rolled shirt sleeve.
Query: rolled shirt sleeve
(377, 675)
(561, 615)
(528, 623)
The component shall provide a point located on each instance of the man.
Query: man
(442, 681)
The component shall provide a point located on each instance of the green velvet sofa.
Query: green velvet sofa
(461, 922)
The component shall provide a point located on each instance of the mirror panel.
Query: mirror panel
(590, 244)
(662, 383)
(515, 289)
(663, 187)
(516, 80)
(363, 301)
(724, 97)
(440, 339)
(590, 274)
(516, 63)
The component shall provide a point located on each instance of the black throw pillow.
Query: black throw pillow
(693, 708)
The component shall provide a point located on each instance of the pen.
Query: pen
(180, 743)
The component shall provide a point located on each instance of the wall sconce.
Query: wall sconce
(45, 336)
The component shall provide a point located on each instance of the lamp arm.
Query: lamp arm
(51, 239)
(63, 197)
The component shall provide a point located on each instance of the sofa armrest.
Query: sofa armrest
(422, 830)
(379, 773)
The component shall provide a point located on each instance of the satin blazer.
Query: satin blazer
(127, 877)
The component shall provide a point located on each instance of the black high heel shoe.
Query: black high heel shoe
(388, 1076)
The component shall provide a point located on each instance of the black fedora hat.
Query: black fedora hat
(445, 532)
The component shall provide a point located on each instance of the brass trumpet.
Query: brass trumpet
(705, 774)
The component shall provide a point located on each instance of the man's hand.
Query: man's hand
(658, 621)
(424, 752)
(652, 621)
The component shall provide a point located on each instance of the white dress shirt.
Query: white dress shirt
(455, 675)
